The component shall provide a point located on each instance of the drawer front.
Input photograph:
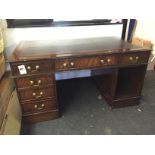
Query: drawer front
(136, 58)
(35, 81)
(80, 63)
(31, 107)
(31, 67)
(62, 64)
(36, 94)
(42, 116)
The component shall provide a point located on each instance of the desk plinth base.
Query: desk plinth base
(123, 102)
(41, 116)
(119, 102)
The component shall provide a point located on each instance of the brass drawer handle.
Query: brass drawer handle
(108, 60)
(35, 85)
(35, 106)
(131, 58)
(34, 94)
(41, 93)
(102, 61)
(65, 64)
(36, 68)
(72, 64)
(29, 68)
(37, 96)
(31, 82)
(39, 108)
(134, 60)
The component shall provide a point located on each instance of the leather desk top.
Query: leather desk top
(45, 49)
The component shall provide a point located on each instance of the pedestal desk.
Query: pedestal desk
(34, 64)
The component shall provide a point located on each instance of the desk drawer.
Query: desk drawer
(34, 81)
(135, 58)
(31, 107)
(37, 94)
(31, 67)
(41, 116)
(83, 63)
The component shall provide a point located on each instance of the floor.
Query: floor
(83, 113)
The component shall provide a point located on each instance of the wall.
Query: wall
(145, 29)
(3, 27)
(15, 35)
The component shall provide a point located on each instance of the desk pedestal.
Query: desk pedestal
(122, 86)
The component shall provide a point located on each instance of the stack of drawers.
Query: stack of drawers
(36, 90)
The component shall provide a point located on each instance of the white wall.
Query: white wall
(49, 33)
(145, 29)
(14, 35)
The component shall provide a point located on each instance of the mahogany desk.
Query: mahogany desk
(34, 64)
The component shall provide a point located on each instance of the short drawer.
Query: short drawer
(36, 94)
(88, 62)
(34, 81)
(41, 116)
(31, 67)
(135, 58)
(31, 107)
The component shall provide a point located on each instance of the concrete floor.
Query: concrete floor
(83, 113)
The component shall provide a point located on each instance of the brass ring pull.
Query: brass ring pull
(36, 68)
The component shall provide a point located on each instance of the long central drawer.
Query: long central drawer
(85, 62)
